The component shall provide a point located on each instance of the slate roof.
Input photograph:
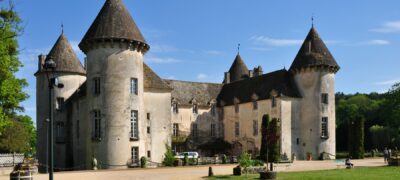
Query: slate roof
(64, 57)
(203, 93)
(281, 81)
(152, 80)
(113, 22)
(314, 53)
(238, 70)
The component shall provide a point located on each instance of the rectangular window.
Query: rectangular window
(236, 108)
(273, 101)
(237, 130)
(255, 127)
(148, 130)
(255, 105)
(175, 108)
(134, 86)
(134, 125)
(77, 129)
(213, 110)
(195, 109)
(175, 129)
(194, 130)
(148, 116)
(96, 124)
(60, 104)
(213, 134)
(96, 82)
(60, 132)
(135, 156)
(324, 127)
(324, 98)
(149, 154)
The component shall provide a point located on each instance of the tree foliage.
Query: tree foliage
(264, 131)
(12, 123)
(169, 158)
(356, 137)
(269, 151)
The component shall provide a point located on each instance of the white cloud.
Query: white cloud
(388, 82)
(260, 49)
(202, 76)
(162, 48)
(390, 26)
(170, 77)
(275, 42)
(214, 52)
(373, 42)
(161, 60)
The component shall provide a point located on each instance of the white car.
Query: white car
(190, 155)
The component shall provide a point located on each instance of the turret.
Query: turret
(314, 70)
(115, 48)
(70, 72)
(237, 72)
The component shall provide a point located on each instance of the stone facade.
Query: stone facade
(116, 109)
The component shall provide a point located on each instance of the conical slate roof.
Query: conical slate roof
(238, 70)
(314, 53)
(113, 22)
(65, 57)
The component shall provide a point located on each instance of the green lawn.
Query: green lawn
(377, 173)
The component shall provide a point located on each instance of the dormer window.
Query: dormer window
(175, 108)
(195, 109)
(213, 109)
(236, 102)
(273, 101)
(255, 105)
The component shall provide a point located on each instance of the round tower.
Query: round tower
(115, 47)
(314, 70)
(71, 73)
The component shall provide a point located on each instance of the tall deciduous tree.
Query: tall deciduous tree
(11, 87)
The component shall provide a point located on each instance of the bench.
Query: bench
(340, 163)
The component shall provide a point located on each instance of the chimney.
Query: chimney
(227, 78)
(259, 70)
(251, 73)
(42, 58)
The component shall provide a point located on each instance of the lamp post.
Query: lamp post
(49, 67)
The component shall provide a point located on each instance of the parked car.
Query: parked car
(191, 155)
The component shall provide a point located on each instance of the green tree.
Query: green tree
(356, 137)
(169, 158)
(245, 161)
(15, 138)
(273, 140)
(11, 87)
(264, 143)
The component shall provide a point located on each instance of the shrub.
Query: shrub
(185, 160)
(257, 163)
(143, 162)
(169, 159)
(224, 159)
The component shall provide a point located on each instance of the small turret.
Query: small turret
(238, 70)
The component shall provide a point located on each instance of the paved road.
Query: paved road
(193, 172)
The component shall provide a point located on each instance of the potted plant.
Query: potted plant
(143, 162)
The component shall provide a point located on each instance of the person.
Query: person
(348, 163)
(385, 155)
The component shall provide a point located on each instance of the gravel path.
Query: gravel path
(193, 172)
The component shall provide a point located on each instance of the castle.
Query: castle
(116, 109)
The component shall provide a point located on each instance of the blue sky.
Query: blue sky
(197, 40)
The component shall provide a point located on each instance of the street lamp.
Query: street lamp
(50, 66)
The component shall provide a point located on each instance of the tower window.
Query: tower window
(134, 86)
(237, 129)
(96, 82)
(194, 130)
(134, 125)
(148, 116)
(212, 133)
(96, 132)
(60, 104)
(195, 109)
(324, 98)
(324, 127)
(255, 127)
(149, 154)
(175, 130)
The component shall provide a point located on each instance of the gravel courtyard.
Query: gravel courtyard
(192, 172)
